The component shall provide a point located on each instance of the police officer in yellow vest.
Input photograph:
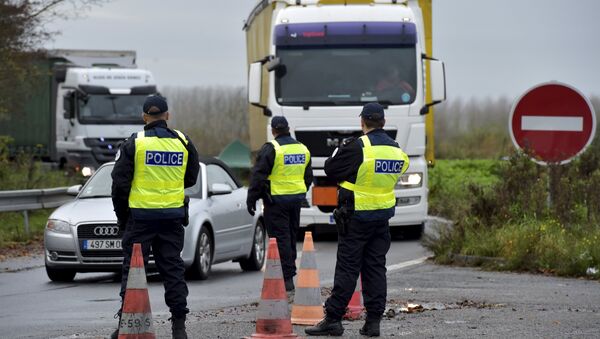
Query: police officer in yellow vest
(281, 176)
(367, 170)
(152, 169)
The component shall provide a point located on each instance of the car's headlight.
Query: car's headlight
(410, 180)
(58, 226)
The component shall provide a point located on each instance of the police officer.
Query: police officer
(281, 176)
(151, 171)
(367, 170)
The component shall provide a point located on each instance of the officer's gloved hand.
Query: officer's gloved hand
(251, 206)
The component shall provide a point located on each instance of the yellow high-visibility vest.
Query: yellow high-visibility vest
(159, 170)
(378, 174)
(287, 175)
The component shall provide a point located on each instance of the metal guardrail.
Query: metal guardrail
(27, 200)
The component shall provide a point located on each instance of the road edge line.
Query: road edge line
(406, 264)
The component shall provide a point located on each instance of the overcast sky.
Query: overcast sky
(491, 47)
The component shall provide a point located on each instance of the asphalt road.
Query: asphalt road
(34, 307)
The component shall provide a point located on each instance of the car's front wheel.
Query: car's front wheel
(203, 260)
(60, 275)
(257, 255)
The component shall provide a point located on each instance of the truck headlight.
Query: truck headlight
(410, 180)
(58, 226)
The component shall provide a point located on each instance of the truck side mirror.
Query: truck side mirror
(255, 84)
(438, 81)
(69, 105)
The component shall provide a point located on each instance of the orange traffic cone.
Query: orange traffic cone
(355, 306)
(308, 307)
(136, 319)
(273, 318)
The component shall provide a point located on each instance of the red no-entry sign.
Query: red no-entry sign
(553, 122)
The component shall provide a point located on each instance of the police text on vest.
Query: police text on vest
(294, 159)
(389, 166)
(161, 158)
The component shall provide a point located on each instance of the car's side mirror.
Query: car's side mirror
(74, 190)
(219, 189)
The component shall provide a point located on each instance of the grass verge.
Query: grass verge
(500, 210)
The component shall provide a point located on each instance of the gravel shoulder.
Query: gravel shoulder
(455, 302)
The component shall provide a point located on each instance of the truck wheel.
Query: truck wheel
(203, 260)
(60, 275)
(255, 261)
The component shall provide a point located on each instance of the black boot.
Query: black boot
(178, 327)
(289, 285)
(370, 328)
(326, 327)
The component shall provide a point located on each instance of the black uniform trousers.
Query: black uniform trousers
(166, 238)
(283, 221)
(361, 250)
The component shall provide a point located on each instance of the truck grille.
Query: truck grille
(103, 149)
(323, 143)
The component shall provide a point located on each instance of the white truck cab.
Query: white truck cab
(100, 95)
(325, 60)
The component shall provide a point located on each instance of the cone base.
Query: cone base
(307, 315)
(354, 313)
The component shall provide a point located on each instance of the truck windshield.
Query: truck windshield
(346, 76)
(111, 109)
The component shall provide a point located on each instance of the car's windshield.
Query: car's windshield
(108, 108)
(100, 184)
(346, 76)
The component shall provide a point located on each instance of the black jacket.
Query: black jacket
(122, 174)
(343, 166)
(259, 184)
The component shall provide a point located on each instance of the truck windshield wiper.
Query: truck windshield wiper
(95, 196)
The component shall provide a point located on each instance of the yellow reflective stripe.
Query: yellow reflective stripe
(288, 179)
(276, 145)
(369, 160)
(374, 191)
(364, 189)
(157, 187)
(160, 184)
(182, 136)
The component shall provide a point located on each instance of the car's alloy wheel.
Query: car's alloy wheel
(256, 259)
(203, 260)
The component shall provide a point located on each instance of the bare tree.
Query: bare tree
(22, 32)
(212, 116)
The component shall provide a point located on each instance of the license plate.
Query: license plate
(104, 244)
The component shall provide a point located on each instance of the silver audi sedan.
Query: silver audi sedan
(82, 235)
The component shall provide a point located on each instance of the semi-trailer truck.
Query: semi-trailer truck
(317, 62)
(81, 105)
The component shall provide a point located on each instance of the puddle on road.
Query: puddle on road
(395, 308)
